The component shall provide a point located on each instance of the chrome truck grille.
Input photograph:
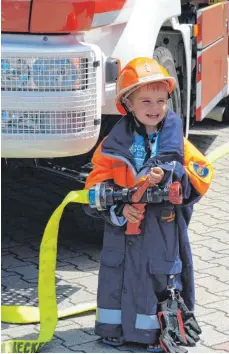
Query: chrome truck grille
(38, 122)
(51, 96)
(47, 74)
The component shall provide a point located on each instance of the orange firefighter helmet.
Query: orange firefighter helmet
(138, 72)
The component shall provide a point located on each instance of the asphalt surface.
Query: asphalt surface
(28, 199)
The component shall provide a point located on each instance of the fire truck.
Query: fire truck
(61, 59)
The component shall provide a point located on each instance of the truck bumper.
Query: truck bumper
(51, 96)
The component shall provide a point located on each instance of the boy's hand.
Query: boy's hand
(132, 214)
(156, 175)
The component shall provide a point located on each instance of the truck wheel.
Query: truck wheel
(226, 115)
(165, 58)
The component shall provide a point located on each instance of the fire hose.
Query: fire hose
(47, 313)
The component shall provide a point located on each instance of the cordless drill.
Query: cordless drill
(104, 195)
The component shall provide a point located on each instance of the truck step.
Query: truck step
(217, 113)
(79, 175)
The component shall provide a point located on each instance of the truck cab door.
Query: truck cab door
(15, 15)
(212, 57)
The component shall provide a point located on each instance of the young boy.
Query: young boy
(136, 270)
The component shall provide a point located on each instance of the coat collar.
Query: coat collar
(121, 138)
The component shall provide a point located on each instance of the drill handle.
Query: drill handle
(175, 193)
(133, 228)
(136, 197)
(175, 197)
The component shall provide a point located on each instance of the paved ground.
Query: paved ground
(27, 203)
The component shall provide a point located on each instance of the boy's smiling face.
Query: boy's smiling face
(149, 104)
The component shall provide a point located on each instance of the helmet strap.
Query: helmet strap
(140, 128)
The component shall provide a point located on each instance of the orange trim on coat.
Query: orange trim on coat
(106, 167)
(193, 157)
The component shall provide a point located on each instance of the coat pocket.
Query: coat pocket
(111, 258)
(160, 266)
(110, 279)
(167, 216)
(169, 233)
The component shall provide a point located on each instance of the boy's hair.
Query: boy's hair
(149, 87)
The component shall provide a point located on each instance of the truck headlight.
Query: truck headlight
(38, 122)
(56, 73)
(44, 74)
(15, 73)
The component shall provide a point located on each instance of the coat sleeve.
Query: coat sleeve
(108, 215)
(175, 171)
(102, 171)
(198, 168)
(195, 174)
(183, 162)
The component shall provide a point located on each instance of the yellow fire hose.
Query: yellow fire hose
(47, 313)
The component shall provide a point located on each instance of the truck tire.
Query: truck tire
(165, 58)
(29, 197)
(226, 115)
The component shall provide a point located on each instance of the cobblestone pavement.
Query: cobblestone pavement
(23, 220)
